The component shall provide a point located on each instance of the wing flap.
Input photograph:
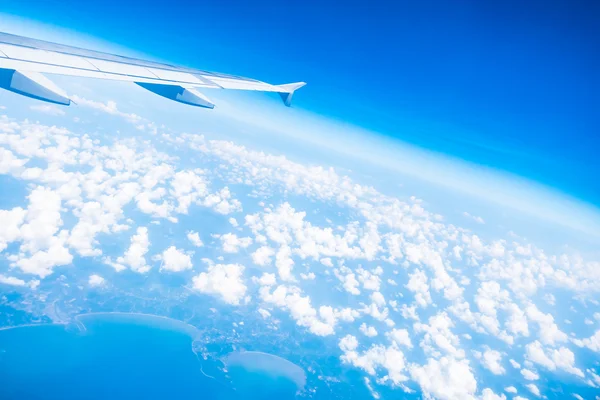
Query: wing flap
(176, 76)
(44, 57)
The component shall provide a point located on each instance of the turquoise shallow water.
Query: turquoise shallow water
(120, 356)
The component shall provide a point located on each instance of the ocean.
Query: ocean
(128, 356)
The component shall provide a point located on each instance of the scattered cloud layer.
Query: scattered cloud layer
(400, 291)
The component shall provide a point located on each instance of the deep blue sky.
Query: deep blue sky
(509, 84)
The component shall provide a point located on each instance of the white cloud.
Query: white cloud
(445, 378)
(262, 256)
(491, 360)
(417, 283)
(224, 280)
(110, 107)
(175, 260)
(510, 389)
(368, 331)
(194, 238)
(536, 354)
(326, 261)
(42, 243)
(533, 389)
(266, 279)
(592, 343)
(11, 281)
(232, 244)
(47, 109)
(400, 337)
(320, 322)
(475, 218)
(390, 360)
(284, 263)
(529, 375)
(134, 256)
(10, 228)
(549, 331)
(438, 336)
(550, 299)
(9, 163)
(308, 277)
(96, 280)
(349, 281)
(378, 299)
(369, 386)
(488, 394)
(561, 358)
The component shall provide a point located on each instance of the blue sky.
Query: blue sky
(502, 84)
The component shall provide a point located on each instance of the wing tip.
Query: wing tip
(287, 91)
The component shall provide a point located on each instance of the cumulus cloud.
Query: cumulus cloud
(135, 255)
(592, 343)
(389, 360)
(368, 331)
(43, 244)
(11, 281)
(349, 281)
(10, 229)
(417, 283)
(400, 337)
(266, 279)
(194, 238)
(9, 163)
(549, 331)
(438, 337)
(232, 244)
(175, 260)
(529, 375)
(262, 256)
(223, 280)
(488, 394)
(445, 378)
(533, 389)
(321, 321)
(96, 280)
(491, 360)
(561, 358)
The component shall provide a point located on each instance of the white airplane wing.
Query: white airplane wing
(24, 62)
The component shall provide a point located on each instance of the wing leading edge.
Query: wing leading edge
(24, 61)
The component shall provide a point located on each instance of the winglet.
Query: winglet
(287, 91)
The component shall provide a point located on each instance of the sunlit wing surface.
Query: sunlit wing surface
(24, 63)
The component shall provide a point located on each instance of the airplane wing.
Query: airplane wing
(24, 63)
